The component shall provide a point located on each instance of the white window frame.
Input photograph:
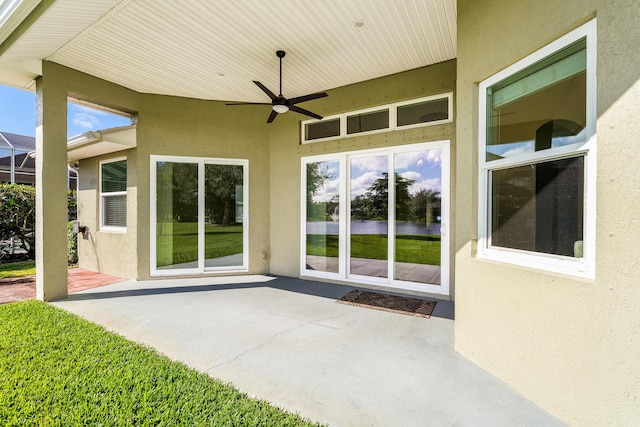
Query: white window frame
(581, 267)
(103, 195)
(393, 115)
(201, 162)
(345, 206)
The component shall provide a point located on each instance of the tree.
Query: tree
(423, 203)
(221, 182)
(317, 175)
(18, 215)
(375, 202)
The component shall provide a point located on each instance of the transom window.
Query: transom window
(432, 110)
(537, 129)
(113, 195)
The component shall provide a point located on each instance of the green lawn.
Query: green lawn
(416, 249)
(17, 269)
(59, 370)
(182, 245)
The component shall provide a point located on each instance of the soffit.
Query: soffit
(214, 49)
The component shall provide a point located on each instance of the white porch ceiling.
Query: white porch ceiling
(214, 49)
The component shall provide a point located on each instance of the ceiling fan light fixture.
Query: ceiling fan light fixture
(280, 104)
(280, 108)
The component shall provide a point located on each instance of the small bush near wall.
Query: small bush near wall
(17, 221)
(72, 205)
(72, 245)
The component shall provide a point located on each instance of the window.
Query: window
(199, 211)
(322, 129)
(537, 167)
(113, 195)
(378, 216)
(367, 122)
(432, 110)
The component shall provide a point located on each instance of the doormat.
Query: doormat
(395, 304)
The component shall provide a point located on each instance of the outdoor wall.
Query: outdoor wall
(286, 149)
(189, 127)
(97, 252)
(107, 252)
(167, 126)
(570, 345)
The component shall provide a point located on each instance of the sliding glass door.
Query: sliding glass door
(378, 216)
(322, 225)
(199, 211)
(369, 215)
(417, 243)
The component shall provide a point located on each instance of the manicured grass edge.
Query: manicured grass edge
(17, 269)
(57, 369)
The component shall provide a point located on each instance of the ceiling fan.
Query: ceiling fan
(280, 104)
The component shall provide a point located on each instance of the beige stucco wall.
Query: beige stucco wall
(286, 150)
(71, 83)
(107, 251)
(189, 127)
(570, 345)
(166, 126)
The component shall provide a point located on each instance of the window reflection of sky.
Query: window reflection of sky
(331, 187)
(423, 167)
(519, 148)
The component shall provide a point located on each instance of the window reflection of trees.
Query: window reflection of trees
(221, 191)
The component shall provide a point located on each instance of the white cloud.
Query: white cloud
(412, 175)
(329, 190)
(366, 164)
(361, 184)
(417, 159)
(85, 121)
(518, 149)
(432, 184)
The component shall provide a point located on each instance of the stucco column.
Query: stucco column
(51, 187)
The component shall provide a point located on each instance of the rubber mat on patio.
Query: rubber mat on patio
(392, 303)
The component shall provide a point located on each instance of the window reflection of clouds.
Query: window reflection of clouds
(421, 166)
(366, 164)
(328, 190)
(519, 148)
(360, 185)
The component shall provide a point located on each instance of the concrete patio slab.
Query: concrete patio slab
(286, 341)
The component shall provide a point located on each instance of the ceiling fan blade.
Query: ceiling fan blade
(249, 103)
(305, 112)
(272, 116)
(265, 90)
(309, 97)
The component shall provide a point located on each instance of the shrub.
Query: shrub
(72, 245)
(18, 215)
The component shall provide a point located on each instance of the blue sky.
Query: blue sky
(18, 115)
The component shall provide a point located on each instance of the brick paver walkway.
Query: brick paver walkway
(21, 288)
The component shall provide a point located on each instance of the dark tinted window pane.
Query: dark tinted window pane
(323, 129)
(539, 207)
(114, 176)
(423, 112)
(368, 122)
(115, 211)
